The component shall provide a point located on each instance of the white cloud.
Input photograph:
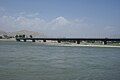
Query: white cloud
(2, 9)
(58, 27)
(60, 21)
(32, 15)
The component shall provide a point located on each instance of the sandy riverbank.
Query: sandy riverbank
(75, 44)
(11, 39)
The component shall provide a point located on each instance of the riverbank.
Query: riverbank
(79, 45)
(11, 39)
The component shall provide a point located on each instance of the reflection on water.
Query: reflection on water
(30, 61)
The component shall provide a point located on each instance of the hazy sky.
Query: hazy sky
(62, 18)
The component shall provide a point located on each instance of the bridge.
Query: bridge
(75, 40)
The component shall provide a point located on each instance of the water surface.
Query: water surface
(31, 61)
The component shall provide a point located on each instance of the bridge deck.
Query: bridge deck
(76, 39)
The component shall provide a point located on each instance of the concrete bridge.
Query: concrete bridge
(78, 40)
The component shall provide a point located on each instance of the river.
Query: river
(31, 61)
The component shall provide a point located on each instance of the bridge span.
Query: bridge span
(77, 40)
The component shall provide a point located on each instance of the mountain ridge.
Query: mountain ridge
(23, 32)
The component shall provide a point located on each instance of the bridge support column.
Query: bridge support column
(105, 42)
(59, 41)
(33, 40)
(78, 42)
(18, 40)
(44, 40)
(24, 40)
(74, 41)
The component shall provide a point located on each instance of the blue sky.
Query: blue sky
(101, 16)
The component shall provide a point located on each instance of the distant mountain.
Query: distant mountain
(27, 33)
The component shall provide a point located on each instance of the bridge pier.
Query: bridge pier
(33, 40)
(44, 40)
(24, 40)
(59, 41)
(105, 42)
(74, 41)
(78, 42)
(18, 40)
